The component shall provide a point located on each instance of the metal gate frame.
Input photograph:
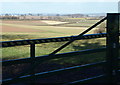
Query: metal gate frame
(112, 55)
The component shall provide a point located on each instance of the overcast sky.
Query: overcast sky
(66, 7)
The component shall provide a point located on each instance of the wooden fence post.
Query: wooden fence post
(112, 52)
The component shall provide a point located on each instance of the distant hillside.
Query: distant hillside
(57, 17)
(97, 14)
(76, 15)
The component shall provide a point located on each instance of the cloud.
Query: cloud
(59, 0)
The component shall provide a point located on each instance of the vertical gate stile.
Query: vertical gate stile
(112, 51)
(32, 56)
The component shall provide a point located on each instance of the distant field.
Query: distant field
(28, 29)
(81, 22)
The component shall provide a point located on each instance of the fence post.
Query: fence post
(112, 52)
(32, 56)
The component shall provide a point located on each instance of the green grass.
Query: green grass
(47, 48)
(80, 59)
(15, 52)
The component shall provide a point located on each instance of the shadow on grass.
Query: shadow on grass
(87, 45)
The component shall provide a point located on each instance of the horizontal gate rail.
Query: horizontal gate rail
(48, 40)
(49, 73)
(85, 81)
(47, 57)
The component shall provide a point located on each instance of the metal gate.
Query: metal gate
(111, 64)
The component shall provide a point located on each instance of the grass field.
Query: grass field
(16, 30)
